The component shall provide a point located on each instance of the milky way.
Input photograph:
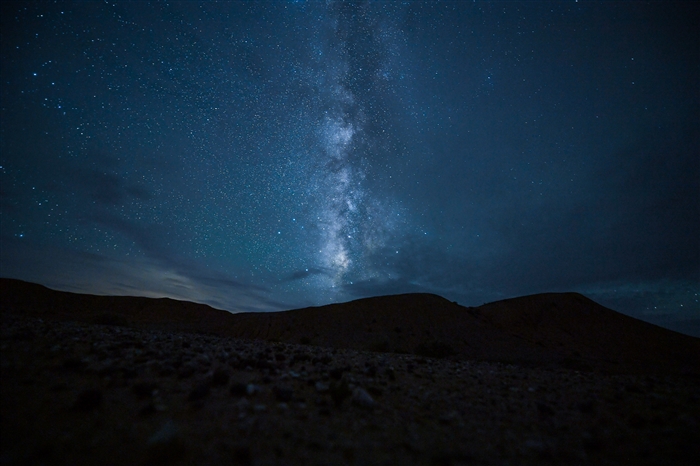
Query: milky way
(353, 221)
(261, 156)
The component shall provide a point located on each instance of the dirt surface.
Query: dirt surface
(79, 393)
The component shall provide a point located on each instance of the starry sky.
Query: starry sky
(260, 156)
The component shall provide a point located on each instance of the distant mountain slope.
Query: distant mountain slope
(410, 323)
(561, 329)
(575, 327)
(34, 300)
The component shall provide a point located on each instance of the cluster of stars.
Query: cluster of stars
(321, 151)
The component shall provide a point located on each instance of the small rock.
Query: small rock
(165, 434)
(322, 387)
(243, 404)
(166, 446)
(449, 418)
(361, 398)
(204, 360)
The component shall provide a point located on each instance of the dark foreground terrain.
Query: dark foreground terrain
(75, 392)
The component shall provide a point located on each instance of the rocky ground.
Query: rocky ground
(74, 393)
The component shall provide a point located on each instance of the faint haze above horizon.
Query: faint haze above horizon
(262, 156)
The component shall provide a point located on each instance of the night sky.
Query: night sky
(274, 155)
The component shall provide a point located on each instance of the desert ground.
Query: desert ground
(103, 380)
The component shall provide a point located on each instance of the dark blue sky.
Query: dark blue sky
(273, 155)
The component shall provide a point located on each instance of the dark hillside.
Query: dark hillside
(553, 329)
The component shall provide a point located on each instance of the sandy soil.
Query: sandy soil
(76, 393)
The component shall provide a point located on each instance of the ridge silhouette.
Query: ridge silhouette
(562, 330)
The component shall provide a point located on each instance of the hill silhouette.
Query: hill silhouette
(552, 329)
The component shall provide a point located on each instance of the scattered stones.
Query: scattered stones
(447, 412)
